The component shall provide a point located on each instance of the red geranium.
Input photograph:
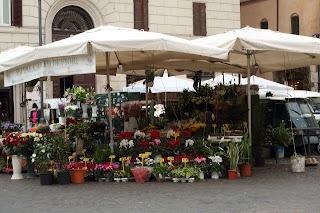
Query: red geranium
(173, 143)
(125, 135)
(154, 134)
(186, 133)
(144, 144)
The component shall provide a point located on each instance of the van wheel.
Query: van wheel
(318, 149)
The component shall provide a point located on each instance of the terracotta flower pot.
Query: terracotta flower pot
(245, 170)
(232, 174)
(77, 175)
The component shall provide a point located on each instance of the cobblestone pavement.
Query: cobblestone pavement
(271, 189)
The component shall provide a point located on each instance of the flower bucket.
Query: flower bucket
(17, 167)
(46, 178)
(77, 175)
(232, 175)
(298, 163)
(280, 152)
(64, 177)
(140, 174)
(245, 170)
(62, 120)
(84, 108)
(214, 175)
(94, 111)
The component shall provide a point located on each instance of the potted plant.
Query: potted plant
(160, 171)
(105, 171)
(215, 166)
(245, 156)
(78, 132)
(176, 174)
(42, 154)
(10, 127)
(201, 163)
(232, 153)
(77, 171)
(61, 150)
(281, 137)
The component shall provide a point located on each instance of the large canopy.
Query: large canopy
(270, 50)
(162, 84)
(254, 80)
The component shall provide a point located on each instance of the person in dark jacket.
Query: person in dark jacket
(34, 115)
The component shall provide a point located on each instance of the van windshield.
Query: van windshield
(314, 106)
(301, 115)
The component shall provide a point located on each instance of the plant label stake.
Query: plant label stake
(184, 161)
(70, 158)
(214, 128)
(122, 163)
(148, 154)
(85, 160)
(8, 157)
(111, 157)
(160, 161)
(142, 156)
(74, 155)
(84, 152)
(171, 158)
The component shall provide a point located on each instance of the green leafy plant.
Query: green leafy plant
(232, 153)
(280, 135)
(245, 149)
(61, 149)
(42, 154)
(163, 170)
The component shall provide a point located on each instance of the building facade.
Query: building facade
(295, 16)
(19, 25)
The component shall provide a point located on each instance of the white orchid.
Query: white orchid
(159, 110)
(189, 142)
(124, 143)
(215, 159)
(170, 133)
(34, 155)
(131, 144)
(139, 134)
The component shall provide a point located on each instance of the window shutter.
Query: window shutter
(199, 19)
(16, 14)
(56, 88)
(203, 19)
(145, 16)
(137, 14)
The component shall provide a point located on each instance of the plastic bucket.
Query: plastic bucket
(298, 163)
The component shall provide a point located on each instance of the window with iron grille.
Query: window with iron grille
(199, 19)
(141, 14)
(295, 24)
(264, 24)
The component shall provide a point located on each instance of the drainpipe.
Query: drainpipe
(277, 15)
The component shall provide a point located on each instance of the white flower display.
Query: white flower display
(43, 151)
(123, 143)
(170, 133)
(159, 110)
(189, 142)
(34, 155)
(139, 134)
(131, 144)
(215, 159)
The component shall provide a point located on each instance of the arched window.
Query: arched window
(264, 24)
(295, 24)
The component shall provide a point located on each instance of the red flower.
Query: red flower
(125, 135)
(154, 134)
(186, 133)
(144, 144)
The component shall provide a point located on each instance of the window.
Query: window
(5, 12)
(199, 19)
(295, 24)
(141, 16)
(264, 24)
(11, 12)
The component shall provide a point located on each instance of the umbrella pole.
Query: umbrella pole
(249, 96)
(111, 144)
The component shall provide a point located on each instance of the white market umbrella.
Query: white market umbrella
(109, 47)
(266, 50)
(262, 83)
(162, 84)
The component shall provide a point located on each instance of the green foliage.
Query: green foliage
(61, 148)
(232, 153)
(163, 170)
(100, 153)
(43, 153)
(280, 135)
(245, 149)
(185, 172)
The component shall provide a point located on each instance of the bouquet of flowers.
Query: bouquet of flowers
(75, 94)
(42, 154)
(14, 144)
(91, 97)
(61, 108)
(70, 110)
(11, 127)
(105, 170)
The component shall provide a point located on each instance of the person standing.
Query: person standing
(34, 115)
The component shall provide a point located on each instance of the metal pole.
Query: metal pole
(109, 102)
(249, 96)
(42, 120)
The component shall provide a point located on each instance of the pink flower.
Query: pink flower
(157, 141)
